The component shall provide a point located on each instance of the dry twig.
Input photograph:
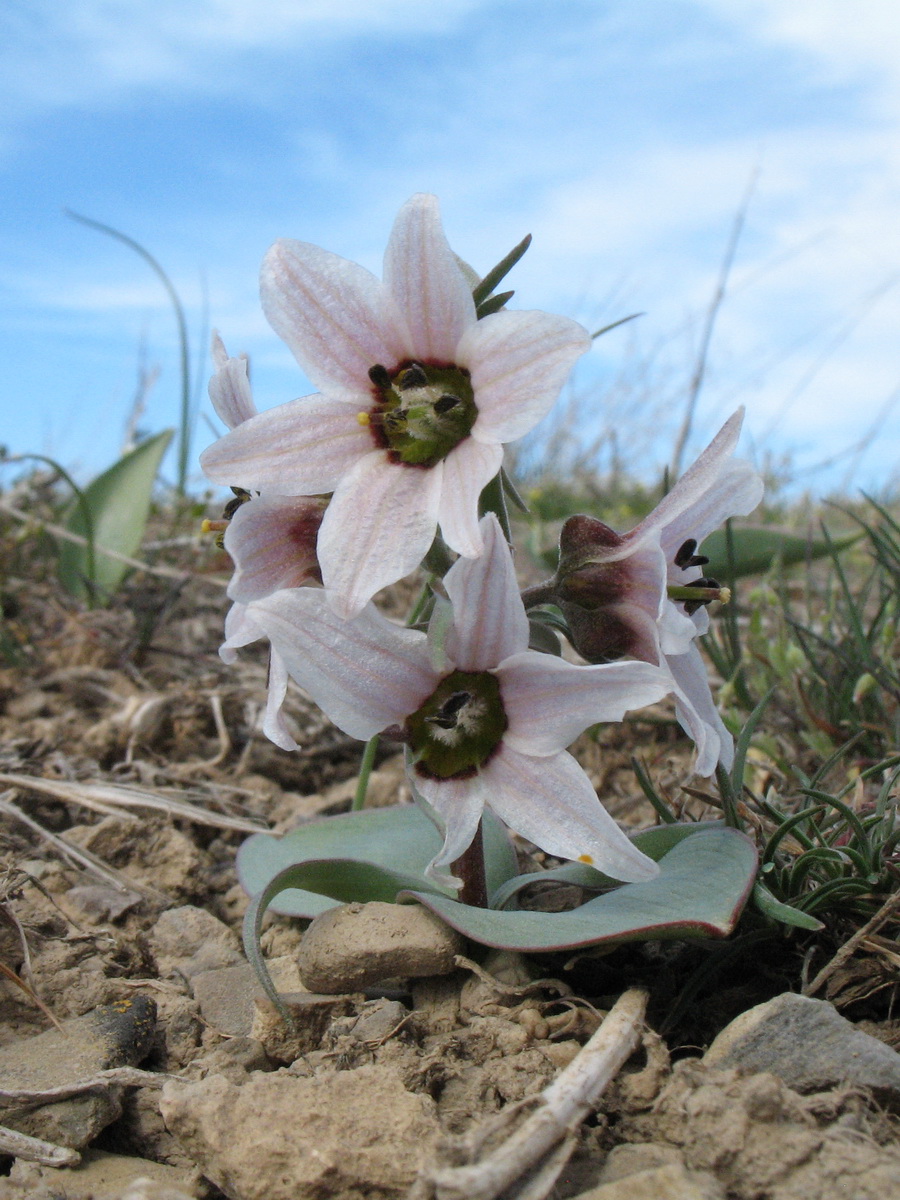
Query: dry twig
(884, 914)
(540, 1146)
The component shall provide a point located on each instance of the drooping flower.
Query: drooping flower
(270, 539)
(614, 588)
(485, 719)
(416, 399)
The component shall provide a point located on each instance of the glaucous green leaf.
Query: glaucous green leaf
(755, 550)
(703, 884)
(119, 503)
(654, 842)
(400, 840)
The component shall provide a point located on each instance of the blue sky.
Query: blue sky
(622, 134)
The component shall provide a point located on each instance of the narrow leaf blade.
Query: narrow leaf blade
(119, 503)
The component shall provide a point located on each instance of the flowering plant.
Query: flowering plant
(396, 465)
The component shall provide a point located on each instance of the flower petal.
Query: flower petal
(712, 489)
(458, 805)
(518, 362)
(272, 540)
(365, 674)
(229, 388)
(274, 726)
(676, 629)
(549, 702)
(489, 621)
(467, 470)
(697, 713)
(423, 276)
(377, 528)
(240, 630)
(336, 317)
(551, 802)
(297, 449)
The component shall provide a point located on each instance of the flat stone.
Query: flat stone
(189, 940)
(353, 946)
(226, 996)
(102, 1176)
(354, 1133)
(311, 1015)
(670, 1182)
(113, 1035)
(810, 1046)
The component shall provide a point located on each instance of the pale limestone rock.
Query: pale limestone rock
(355, 945)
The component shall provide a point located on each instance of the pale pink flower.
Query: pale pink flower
(270, 539)
(613, 588)
(416, 399)
(485, 719)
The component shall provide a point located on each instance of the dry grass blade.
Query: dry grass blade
(10, 974)
(82, 858)
(112, 798)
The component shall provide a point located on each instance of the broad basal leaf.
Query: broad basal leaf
(118, 502)
(700, 891)
(398, 839)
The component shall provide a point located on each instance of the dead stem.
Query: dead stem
(560, 1108)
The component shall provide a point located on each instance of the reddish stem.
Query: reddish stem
(469, 867)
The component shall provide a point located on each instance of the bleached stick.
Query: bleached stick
(561, 1107)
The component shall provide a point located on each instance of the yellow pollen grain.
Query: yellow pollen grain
(363, 418)
(724, 595)
(586, 858)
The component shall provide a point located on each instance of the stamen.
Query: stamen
(586, 858)
(686, 557)
(207, 526)
(379, 376)
(413, 376)
(447, 714)
(363, 418)
(445, 403)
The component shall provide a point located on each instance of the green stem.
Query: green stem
(365, 770)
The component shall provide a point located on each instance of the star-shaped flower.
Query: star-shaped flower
(416, 399)
(485, 719)
(614, 588)
(271, 540)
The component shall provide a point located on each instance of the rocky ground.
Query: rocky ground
(131, 767)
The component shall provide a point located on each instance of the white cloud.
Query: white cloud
(58, 53)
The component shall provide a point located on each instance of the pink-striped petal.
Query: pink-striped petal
(551, 802)
(458, 805)
(229, 388)
(298, 449)
(712, 489)
(272, 540)
(365, 674)
(377, 528)
(274, 725)
(336, 317)
(489, 622)
(423, 276)
(240, 630)
(549, 702)
(518, 362)
(467, 470)
(697, 713)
